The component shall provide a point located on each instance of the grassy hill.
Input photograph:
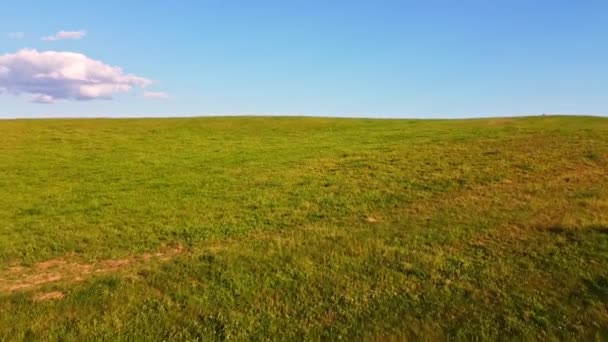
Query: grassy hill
(266, 228)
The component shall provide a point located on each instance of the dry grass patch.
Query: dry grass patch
(47, 296)
(69, 269)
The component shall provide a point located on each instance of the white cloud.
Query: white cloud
(50, 76)
(62, 35)
(42, 98)
(15, 35)
(156, 95)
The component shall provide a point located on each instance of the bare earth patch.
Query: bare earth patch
(371, 219)
(68, 269)
(43, 297)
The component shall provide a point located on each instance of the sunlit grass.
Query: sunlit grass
(305, 227)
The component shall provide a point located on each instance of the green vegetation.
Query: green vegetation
(292, 228)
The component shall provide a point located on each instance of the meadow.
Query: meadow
(266, 228)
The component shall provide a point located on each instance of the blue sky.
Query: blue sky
(337, 58)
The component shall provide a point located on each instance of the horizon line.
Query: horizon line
(295, 115)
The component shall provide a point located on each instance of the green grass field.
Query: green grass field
(303, 228)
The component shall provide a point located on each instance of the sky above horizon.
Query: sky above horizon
(381, 58)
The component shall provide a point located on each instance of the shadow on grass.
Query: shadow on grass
(569, 230)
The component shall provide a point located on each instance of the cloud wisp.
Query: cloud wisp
(63, 35)
(15, 35)
(157, 95)
(50, 76)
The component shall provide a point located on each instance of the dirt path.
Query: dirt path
(68, 269)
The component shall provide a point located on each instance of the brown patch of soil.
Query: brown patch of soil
(69, 269)
(43, 297)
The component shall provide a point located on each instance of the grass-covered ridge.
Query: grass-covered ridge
(233, 228)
